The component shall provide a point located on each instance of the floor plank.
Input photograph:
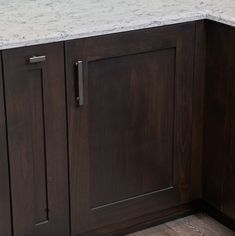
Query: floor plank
(194, 225)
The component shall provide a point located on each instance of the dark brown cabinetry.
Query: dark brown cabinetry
(36, 125)
(5, 217)
(134, 137)
(130, 142)
(219, 133)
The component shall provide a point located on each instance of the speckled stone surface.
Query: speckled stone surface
(30, 22)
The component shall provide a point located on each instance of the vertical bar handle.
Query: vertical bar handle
(79, 96)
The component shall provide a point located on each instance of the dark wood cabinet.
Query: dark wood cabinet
(219, 143)
(226, 52)
(108, 134)
(5, 210)
(130, 142)
(36, 125)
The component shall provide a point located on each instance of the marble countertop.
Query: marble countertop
(31, 22)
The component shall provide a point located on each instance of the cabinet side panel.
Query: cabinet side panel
(198, 108)
(5, 218)
(228, 187)
(216, 108)
(219, 162)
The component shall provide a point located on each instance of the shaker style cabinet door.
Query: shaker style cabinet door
(36, 123)
(5, 210)
(130, 121)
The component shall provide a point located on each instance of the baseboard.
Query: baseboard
(218, 215)
(146, 221)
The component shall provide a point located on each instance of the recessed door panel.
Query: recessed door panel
(131, 112)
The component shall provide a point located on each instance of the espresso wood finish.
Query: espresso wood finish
(198, 109)
(130, 143)
(219, 155)
(36, 124)
(153, 139)
(5, 217)
(228, 189)
(216, 107)
(132, 225)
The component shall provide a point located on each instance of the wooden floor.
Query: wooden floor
(194, 225)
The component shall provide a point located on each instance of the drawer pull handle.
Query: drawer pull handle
(79, 96)
(37, 59)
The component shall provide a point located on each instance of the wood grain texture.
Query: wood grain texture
(228, 189)
(132, 225)
(194, 225)
(131, 126)
(36, 115)
(116, 140)
(219, 145)
(5, 211)
(216, 138)
(198, 109)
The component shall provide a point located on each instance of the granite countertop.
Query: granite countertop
(31, 22)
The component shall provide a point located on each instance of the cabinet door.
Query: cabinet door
(5, 217)
(130, 141)
(36, 120)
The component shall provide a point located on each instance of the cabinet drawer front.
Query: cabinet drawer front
(130, 141)
(36, 118)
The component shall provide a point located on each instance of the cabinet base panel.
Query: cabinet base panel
(146, 221)
(218, 215)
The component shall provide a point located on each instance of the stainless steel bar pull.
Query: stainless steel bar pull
(79, 96)
(36, 59)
